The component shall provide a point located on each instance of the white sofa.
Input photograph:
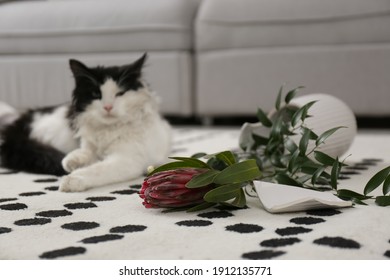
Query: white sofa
(207, 58)
(246, 49)
(37, 38)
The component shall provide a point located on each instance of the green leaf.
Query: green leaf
(279, 99)
(290, 146)
(301, 114)
(193, 161)
(382, 200)
(259, 140)
(376, 180)
(216, 163)
(284, 179)
(313, 136)
(321, 139)
(239, 172)
(317, 174)
(304, 141)
(292, 164)
(386, 186)
(223, 193)
(263, 118)
(291, 94)
(203, 179)
(323, 158)
(311, 170)
(240, 200)
(288, 113)
(276, 160)
(303, 179)
(343, 193)
(174, 165)
(307, 162)
(358, 201)
(335, 173)
(276, 129)
(274, 146)
(227, 156)
(286, 129)
(202, 206)
(199, 155)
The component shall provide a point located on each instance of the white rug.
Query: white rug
(39, 222)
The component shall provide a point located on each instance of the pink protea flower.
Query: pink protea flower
(167, 189)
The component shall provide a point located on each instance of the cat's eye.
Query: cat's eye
(120, 93)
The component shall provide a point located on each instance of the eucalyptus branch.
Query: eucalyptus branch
(287, 162)
(281, 156)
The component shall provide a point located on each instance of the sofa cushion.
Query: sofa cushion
(96, 26)
(232, 24)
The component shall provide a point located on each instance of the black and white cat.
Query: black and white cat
(111, 132)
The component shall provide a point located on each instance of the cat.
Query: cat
(110, 132)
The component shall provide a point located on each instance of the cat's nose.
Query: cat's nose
(108, 108)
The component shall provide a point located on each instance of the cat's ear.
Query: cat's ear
(134, 69)
(80, 70)
(139, 63)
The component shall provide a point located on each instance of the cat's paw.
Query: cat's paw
(72, 183)
(75, 160)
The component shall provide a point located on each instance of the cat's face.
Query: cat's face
(109, 94)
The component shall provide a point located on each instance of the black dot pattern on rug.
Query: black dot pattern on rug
(127, 229)
(125, 192)
(306, 220)
(76, 226)
(101, 238)
(101, 198)
(323, 212)
(230, 208)
(52, 188)
(292, 231)
(32, 193)
(5, 230)
(356, 167)
(54, 213)
(194, 223)
(350, 172)
(46, 180)
(33, 222)
(65, 252)
(216, 215)
(338, 242)
(280, 242)
(80, 205)
(262, 255)
(13, 206)
(137, 186)
(366, 163)
(225, 225)
(244, 228)
(7, 199)
(372, 160)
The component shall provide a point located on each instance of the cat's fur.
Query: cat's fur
(111, 132)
